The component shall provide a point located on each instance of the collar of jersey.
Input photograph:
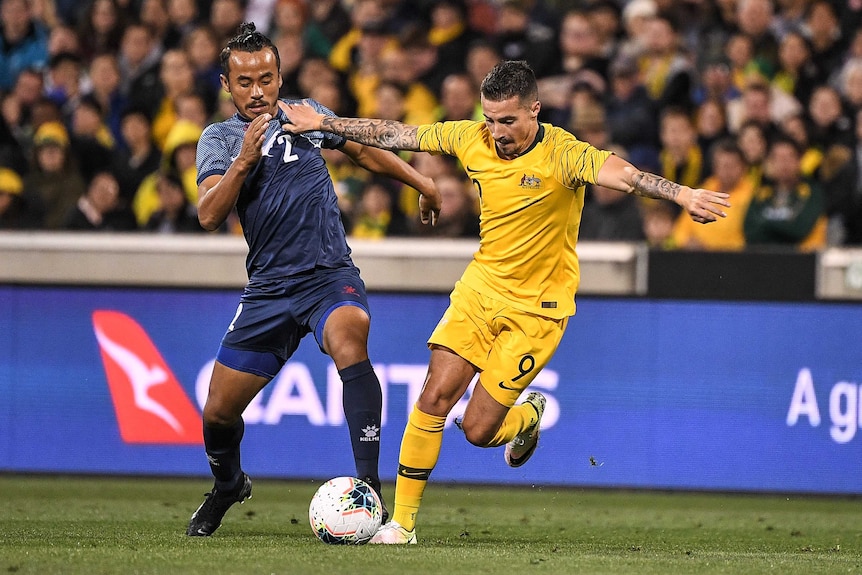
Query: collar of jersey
(539, 136)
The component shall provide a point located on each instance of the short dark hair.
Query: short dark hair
(727, 145)
(510, 78)
(136, 110)
(172, 176)
(785, 140)
(247, 39)
(674, 111)
(90, 101)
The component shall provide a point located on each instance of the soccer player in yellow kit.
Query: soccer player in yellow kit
(508, 312)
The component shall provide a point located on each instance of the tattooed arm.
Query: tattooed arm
(372, 134)
(703, 206)
(653, 186)
(386, 134)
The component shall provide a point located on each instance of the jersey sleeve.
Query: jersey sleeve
(213, 157)
(578, 162)
(443, 137)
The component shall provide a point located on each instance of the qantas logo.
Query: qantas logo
(153, 408)
(150, 404)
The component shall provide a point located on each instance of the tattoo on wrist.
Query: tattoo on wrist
(653, 186)
(386, 134)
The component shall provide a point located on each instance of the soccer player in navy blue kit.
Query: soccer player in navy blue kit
(301, 277)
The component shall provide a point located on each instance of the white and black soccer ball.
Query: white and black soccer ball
(345, 511)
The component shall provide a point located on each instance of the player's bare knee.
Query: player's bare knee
(478, 435)
(347, 355)
(346, 348)
(219, 416)
(435, 403)
(480, 438)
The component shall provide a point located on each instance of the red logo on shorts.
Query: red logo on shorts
(150, 404)
(349, 290)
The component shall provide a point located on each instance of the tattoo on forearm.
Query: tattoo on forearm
(387, 134)
(653, 186)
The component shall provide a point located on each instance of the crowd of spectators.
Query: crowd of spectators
(102, 103)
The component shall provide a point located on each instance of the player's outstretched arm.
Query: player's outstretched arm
(388, 164)
(702, 205)
(386, 134)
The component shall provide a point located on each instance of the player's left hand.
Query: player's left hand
(303, 118)
(430, 202)
(704, 206)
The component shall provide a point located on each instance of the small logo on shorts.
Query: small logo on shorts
(348, 289)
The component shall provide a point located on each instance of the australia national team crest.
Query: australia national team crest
(530, 182)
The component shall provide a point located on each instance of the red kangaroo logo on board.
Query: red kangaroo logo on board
(150, 403)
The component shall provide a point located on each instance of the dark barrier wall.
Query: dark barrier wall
(753, 275)
(736, 395)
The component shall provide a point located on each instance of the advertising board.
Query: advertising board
(747, 396)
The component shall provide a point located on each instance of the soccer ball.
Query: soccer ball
(345, 511)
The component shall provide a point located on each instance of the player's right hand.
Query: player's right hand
(703, 206)
(252, 142)
(303, 118)
(430, 202)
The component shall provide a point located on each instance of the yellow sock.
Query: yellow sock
(520, 418)
(420, 448)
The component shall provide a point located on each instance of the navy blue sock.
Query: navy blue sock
(363, 402)
(222, 447)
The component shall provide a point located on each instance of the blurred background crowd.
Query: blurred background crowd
(102, 103)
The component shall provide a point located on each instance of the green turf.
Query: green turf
(121, 525)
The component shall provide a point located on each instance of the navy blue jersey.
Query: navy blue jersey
(287, 205)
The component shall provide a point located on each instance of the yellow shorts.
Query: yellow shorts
(509, 346)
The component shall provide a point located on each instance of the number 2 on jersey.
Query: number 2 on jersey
(289, 156)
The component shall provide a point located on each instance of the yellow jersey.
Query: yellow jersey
(724, 233)
(530, 212)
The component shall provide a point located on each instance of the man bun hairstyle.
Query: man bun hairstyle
(247, 39)
(511, 78)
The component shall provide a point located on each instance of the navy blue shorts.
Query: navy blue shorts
(267, 328)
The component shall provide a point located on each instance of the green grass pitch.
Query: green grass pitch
(71, 525)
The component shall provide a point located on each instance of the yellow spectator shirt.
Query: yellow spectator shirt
(724, 233)
(530, 212)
